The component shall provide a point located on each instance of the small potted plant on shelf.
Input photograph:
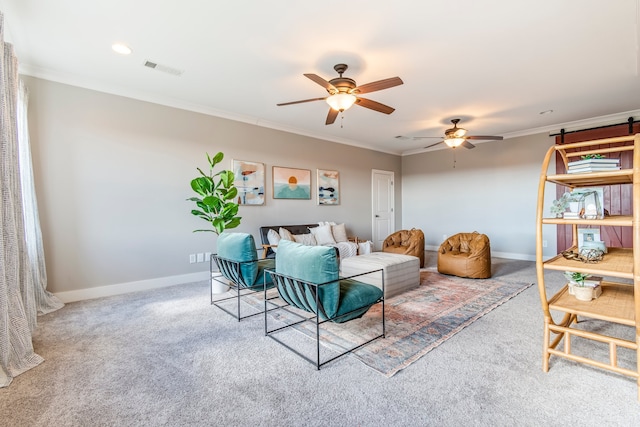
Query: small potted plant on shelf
(577, 286)
(566, 201)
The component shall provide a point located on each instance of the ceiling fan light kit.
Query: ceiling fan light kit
(455, 137)
(454, 142)
(344, 92)
(341, 101)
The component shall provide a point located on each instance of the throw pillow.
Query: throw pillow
(365, 247)
(339, 233)
(326, 223)
(305, 239)
(286, 234)
(323, 235)
(273, 237)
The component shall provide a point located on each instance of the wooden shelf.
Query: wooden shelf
(617, 263)
(614, 220)
(616, 304)
(592, 179)
(619, 302)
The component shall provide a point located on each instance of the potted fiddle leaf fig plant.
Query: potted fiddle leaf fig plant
(216, 197)
(216, 204)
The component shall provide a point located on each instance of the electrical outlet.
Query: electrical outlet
(200, 257)
(192, 259)
(544, 243)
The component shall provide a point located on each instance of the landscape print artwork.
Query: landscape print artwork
(328, 187)
(290, 183)
(249, 180)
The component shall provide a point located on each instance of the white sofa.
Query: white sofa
(321, 234)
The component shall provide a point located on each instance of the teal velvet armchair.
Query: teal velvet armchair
(311, 290)
(237, 261)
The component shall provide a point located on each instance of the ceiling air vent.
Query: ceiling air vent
(163, 68)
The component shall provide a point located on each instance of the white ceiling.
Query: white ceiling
(496, 64)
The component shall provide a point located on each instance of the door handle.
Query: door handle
(377, 216)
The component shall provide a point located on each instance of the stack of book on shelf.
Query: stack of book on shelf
(593, 165)
(592, 282)
(571, 215)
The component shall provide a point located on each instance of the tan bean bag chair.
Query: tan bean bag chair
(466, 255)
(406, 242)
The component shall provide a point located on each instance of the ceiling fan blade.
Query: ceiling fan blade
(495, 138)
(379, 85)
(433, 145)
(467, 144)
(331, 117)
(373, 105)
(322, 82)
(426, 137)
(300, 102)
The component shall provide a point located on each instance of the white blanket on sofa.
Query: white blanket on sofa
(345, 249)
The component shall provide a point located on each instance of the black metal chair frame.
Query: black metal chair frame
(239, 289)
(300, 284)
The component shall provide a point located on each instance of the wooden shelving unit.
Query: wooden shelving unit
(620, 300)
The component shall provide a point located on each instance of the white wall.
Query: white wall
(112, 175)
(492, 189)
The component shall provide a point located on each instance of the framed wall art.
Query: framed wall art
(291, 183)
(249, 180)
(328, 187)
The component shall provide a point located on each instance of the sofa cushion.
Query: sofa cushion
(323, 235)
(239, 247)
(273, 238)
(294, 260)
(339, 233)
(305, 239)
(356, 296)
(285, 234)
(264, 264)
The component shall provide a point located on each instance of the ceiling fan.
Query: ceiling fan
(455, 137)
(344, 92)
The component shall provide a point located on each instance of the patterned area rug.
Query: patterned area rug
(419, 320)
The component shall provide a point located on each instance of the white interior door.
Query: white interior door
(383, 218)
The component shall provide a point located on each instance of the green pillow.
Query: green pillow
(239, 247)
(315, 264)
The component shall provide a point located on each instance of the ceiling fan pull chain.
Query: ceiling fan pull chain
(341, 120)
(454, 158)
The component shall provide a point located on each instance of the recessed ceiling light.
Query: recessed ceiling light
(121, 48)
(546, 112)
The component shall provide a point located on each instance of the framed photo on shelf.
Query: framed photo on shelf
(328, 182)
(249, 180)
(588, 236)
(291, 183)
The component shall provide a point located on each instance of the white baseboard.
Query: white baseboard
(124, 288)
(508, 255)
(162, 282)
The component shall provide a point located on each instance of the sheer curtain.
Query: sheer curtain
(23, 278)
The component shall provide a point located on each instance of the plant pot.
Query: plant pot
(219, 285)
(583, 293)
(574, 206)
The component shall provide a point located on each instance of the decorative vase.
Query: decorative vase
(583, 293)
